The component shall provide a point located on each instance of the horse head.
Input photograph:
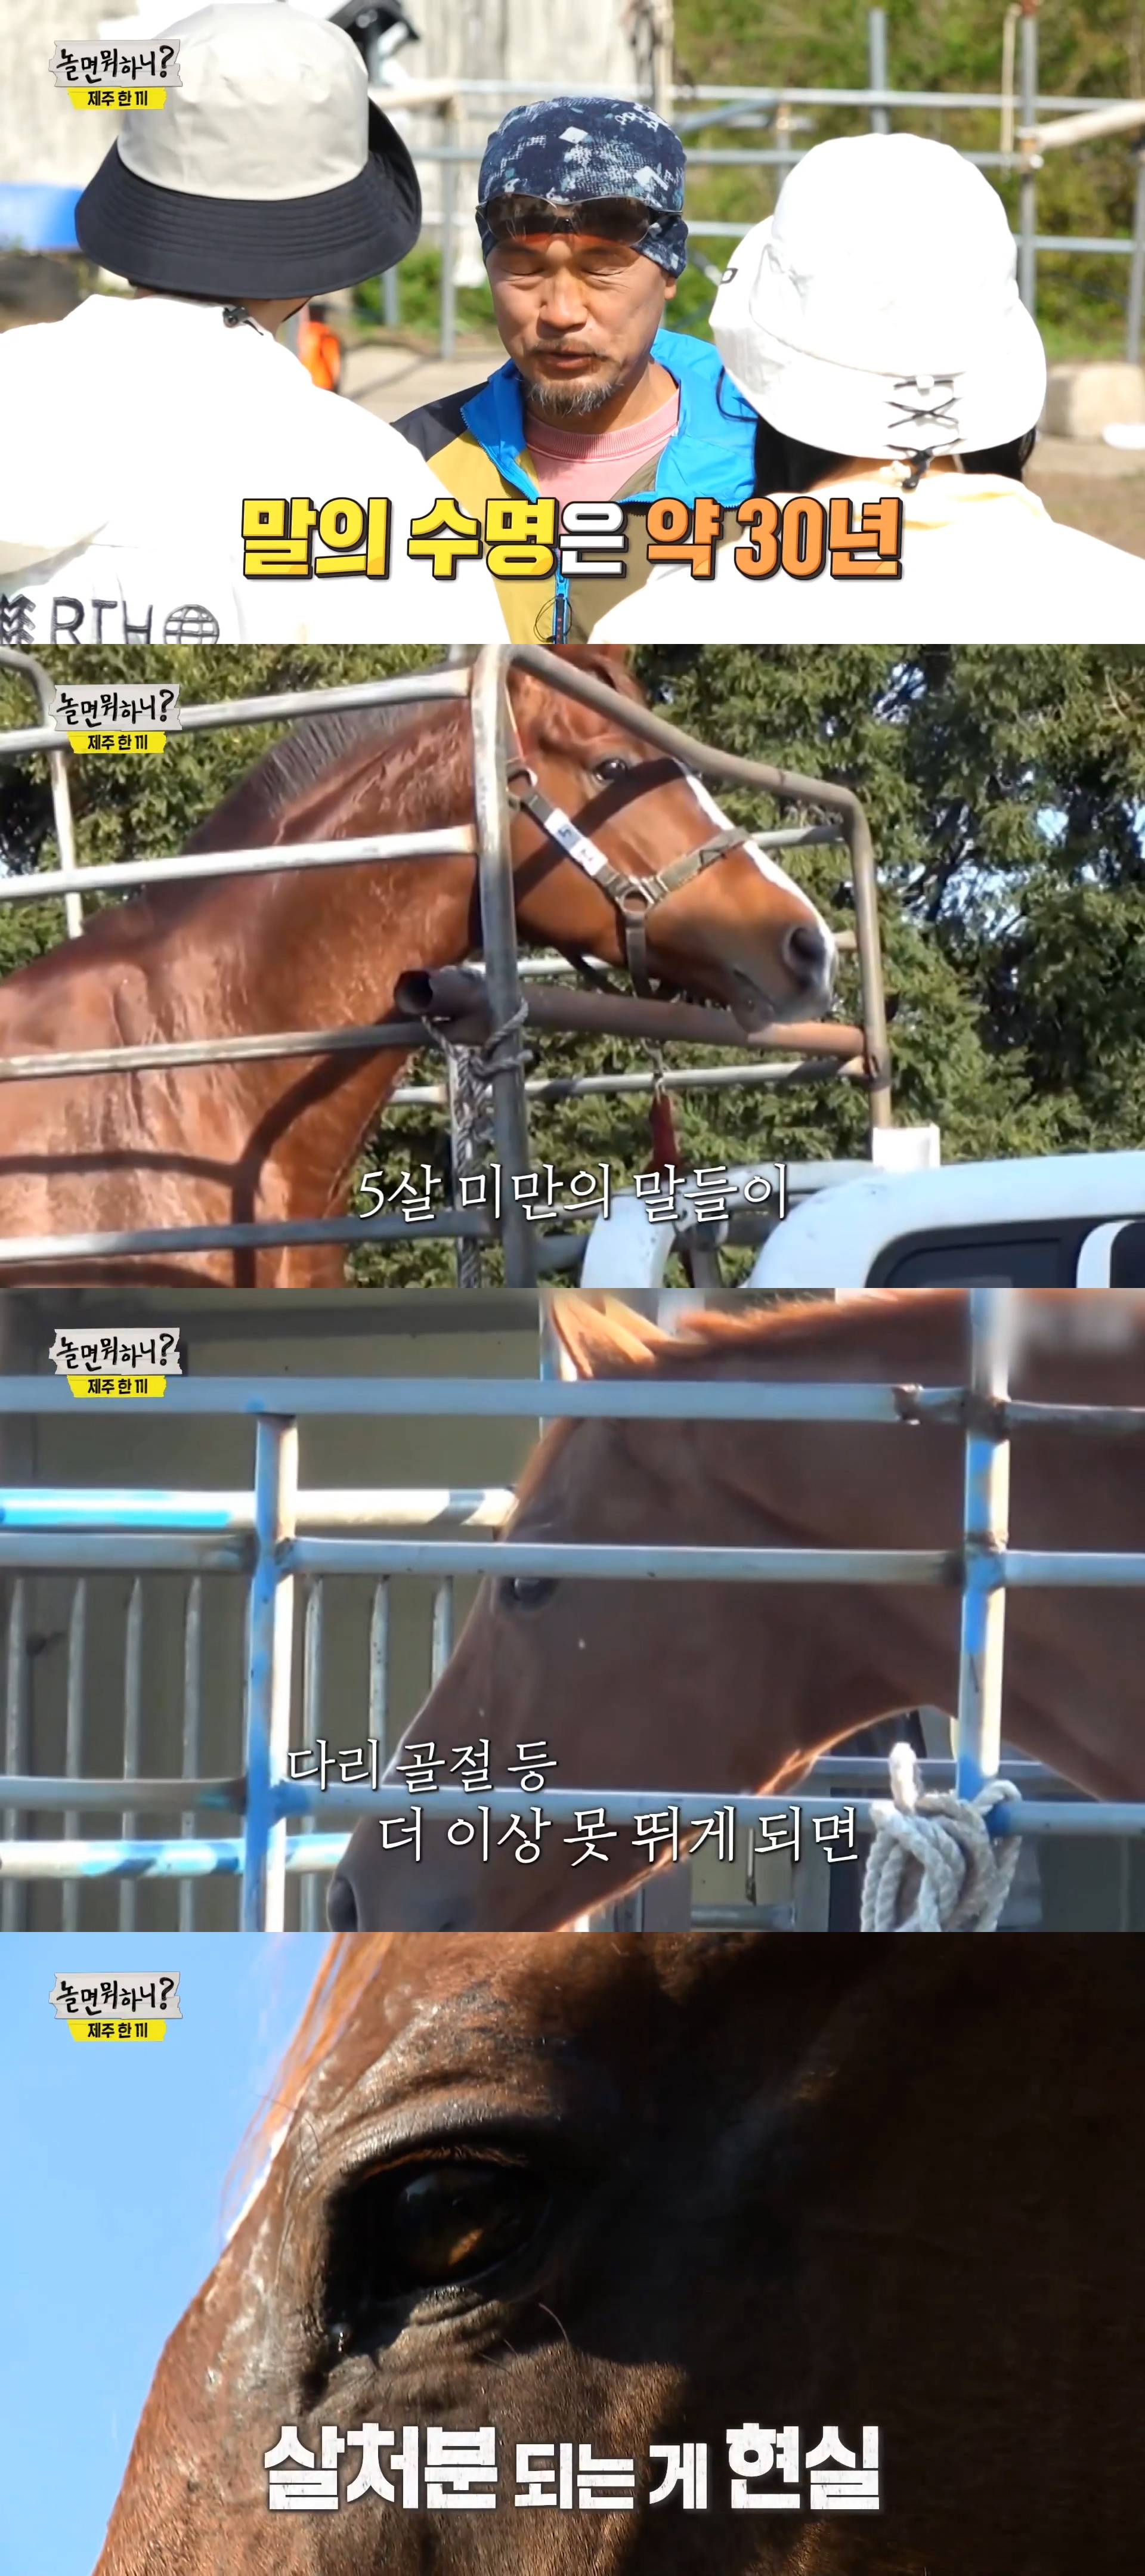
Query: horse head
(638, 1685)
(635, 2194)
(652, 875)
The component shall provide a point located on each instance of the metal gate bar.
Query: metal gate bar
(192, 1726)
(74, 1732)
(17, 1743)
(313, 1619)
(986, 1510)
(37, 678)
(268, 1675)
(1057, 1819)
(854, 1773)
(132, 1733)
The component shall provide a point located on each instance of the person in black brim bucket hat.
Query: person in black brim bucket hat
(267, 177)
(260, 178)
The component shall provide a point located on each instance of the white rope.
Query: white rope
(934, 1866)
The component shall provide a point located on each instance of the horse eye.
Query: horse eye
(527, 1591)
(614, 767)
(415, 2229)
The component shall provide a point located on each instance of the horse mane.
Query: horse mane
(761, 1332)
(300, 761)
(777, 1329)
(303, 757)
(1084, 1323)
(766, 1331)
(350, 1963)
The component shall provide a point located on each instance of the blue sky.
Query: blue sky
(112, 2167)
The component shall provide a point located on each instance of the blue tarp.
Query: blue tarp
(38, 218)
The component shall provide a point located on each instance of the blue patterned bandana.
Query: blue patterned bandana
(569, 149)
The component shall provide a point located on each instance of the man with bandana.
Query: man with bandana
(580, 220)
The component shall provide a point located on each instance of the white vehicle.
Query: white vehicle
(904, 1221)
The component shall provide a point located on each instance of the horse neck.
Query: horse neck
(332, 946)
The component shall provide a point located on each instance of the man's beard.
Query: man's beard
(575, 400)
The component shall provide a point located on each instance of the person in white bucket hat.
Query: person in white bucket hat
(874, 323)
(135, 430)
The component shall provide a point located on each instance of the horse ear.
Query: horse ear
(605, 1340)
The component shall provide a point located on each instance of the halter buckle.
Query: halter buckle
(520, 769)
(639, 897)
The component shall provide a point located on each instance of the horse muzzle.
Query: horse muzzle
(808, 956)
(368, 1901)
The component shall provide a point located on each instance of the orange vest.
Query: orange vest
(320, 350)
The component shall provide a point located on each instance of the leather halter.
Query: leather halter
(633, 898)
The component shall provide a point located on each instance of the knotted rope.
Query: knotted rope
(468, 1074)
(499, 1052)
(471, 1133)
(934, 1866)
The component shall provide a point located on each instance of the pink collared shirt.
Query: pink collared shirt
(594, 464)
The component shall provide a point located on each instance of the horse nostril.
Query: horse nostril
(341, 1904)
(807, 950)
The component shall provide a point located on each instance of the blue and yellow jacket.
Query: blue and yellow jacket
(475, 443)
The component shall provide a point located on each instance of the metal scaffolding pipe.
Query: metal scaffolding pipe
(64, 1507)
(702, 1077)
(1136, 293)
(43, 1251)
(268, 1675)
(877, 69)
(985, 1522)
(456, 996)
(1055, 1819)
(860, 1774)
(1027, 134)
(503, 1056)
(1091, 127)
(407, 1034)
(641, 1399)
(371, 849)
(37, 678)
(51, 1066)
(407, 688)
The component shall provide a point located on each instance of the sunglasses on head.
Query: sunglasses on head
(615, 219)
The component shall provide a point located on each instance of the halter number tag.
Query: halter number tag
(564, 830)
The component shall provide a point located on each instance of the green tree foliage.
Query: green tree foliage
(1005, 789)
(947, 45)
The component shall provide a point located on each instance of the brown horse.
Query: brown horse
(646, 2191)
(726, 1687)
(241, 956)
